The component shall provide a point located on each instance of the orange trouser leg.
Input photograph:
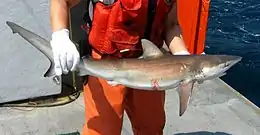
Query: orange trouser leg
(146, 111)
(103, 108)
(105, 104)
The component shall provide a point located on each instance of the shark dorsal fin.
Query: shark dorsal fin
(150, 49)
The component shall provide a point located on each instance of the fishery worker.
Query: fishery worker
(116, 30)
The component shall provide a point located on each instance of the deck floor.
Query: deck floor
(215, 108)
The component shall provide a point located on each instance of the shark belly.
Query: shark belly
(142, 80)
(150, 84)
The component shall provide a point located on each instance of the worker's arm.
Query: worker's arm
(59, 10)
(173, 37)
(66, 55)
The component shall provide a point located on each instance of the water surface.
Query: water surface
(234, 28)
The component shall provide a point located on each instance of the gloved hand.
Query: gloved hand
(182, 53)
(185, 53)
(66, 55)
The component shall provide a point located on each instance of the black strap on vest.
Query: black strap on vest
(150, 17)
(86, 17)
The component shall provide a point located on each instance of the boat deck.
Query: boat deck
(215, 108)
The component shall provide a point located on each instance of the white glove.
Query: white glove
(185, 53)
(182, 53)
(66, 55)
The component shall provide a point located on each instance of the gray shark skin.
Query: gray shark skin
(153, 71)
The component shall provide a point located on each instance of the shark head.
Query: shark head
(214, 66)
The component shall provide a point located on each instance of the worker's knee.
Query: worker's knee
(146, 112)
(150, 128)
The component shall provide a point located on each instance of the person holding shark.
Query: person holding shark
(117, 28)
(152, 71)
(126, 69)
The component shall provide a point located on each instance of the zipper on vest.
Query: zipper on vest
(150, 17)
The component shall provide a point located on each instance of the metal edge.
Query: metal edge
(247, 101)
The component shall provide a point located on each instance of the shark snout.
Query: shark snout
(232, 60)
(218, 66)
(236, 59)
(228, 61)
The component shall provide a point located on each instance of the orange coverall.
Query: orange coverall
(104, 103)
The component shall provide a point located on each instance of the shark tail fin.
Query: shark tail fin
(36, 41)
(51, 71)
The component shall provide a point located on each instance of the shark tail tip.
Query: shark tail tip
(11, 25)
(9, 22)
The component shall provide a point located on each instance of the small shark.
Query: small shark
(153, 71)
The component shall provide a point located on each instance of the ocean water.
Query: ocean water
(234, 28)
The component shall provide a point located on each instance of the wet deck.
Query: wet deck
(215, 109)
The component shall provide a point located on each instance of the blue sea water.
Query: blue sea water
(234, 28)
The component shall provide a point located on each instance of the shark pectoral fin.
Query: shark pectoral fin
(150, 49)
(185, 92)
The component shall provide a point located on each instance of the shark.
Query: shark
(154, 70)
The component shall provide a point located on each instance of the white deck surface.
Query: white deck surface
(215, 109)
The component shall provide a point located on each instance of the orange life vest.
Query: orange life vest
(124, 23)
